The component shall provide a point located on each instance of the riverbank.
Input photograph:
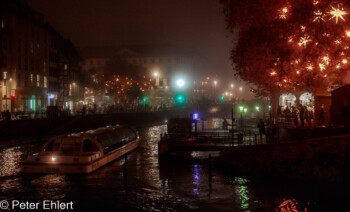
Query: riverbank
(37, 130)
(325, 160)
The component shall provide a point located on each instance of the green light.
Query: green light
(144, 100)
(241, 108)
(180, 99)
(269, 107)
(257, 108)
(32, 103)
(245, 110)
(222, 98)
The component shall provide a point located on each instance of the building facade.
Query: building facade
(33, 60)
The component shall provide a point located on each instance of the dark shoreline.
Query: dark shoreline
(37, 130)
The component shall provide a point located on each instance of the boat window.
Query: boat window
(112, 139)
(56, 146)
(67, 148)
(49, 147)
(89, 146)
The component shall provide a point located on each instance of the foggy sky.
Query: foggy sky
(198, 24)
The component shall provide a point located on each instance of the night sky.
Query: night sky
(198, 24)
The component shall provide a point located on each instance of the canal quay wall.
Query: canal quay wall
(35, 130)
(317, 160)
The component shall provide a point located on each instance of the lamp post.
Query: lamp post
(258, 110)
(155, 75)
(4, 76)
(241, 111)
(215, 83)
(245, 115)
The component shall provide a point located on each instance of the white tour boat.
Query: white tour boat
(82, 152)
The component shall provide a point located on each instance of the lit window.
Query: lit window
(37, 80)
(2, 24)
(65, 67)
(45, 82)
(31, 79)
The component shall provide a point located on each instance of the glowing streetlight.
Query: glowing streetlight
(155, 74)
(180, 83)
(240, 89)
(215, 83)
(257, 108)
(232, 85)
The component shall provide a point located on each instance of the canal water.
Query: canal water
(187, 182)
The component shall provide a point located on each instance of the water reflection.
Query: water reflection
(196, 169)
(242, 191)
(9, 160)
(186, 182)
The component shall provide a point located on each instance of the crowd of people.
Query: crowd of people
(299, 115)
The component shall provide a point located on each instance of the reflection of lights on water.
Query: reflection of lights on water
(213, 110)
(196, 169)
(242, 191)
(9, 161)
(289, 205)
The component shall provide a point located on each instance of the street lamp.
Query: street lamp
(155, 75)
(180, 83)
(258, 109)
(241, 110)
(245, 115)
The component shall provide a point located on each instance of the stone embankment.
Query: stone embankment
(316, 160)
(27, 131)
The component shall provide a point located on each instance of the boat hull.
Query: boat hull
(80, 168)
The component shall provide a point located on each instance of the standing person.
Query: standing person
(308, 116)
(321, 113)
(295, 115)
(301, 115)
(261, 126)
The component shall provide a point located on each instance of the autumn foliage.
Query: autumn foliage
(290, 45)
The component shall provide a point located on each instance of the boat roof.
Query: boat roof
(98, 131)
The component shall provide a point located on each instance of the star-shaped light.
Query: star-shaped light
(347, 33)
(304, 40)
(338, 41)
(310, 67)
(319, 16)
(337, 13)
(326, 60)
(283, 13)
(322, 67)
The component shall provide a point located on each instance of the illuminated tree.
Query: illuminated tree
(125, 81)
(290, 45)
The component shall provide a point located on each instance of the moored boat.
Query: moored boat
(82, 152)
